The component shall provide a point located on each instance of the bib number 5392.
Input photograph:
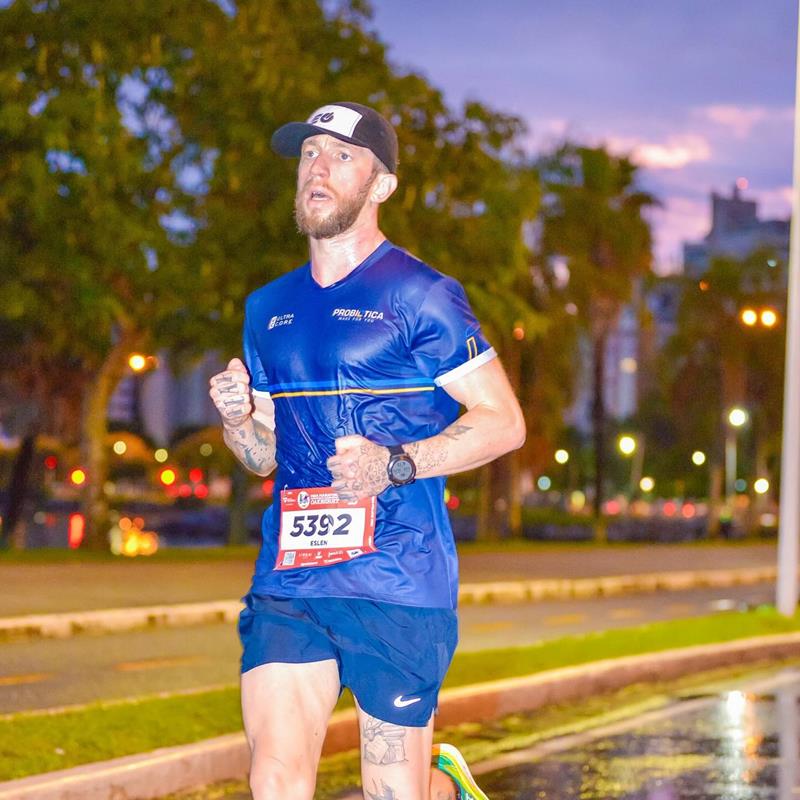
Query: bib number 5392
(319, 529)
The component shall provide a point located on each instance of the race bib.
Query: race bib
(318, 529)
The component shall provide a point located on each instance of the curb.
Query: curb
(125, 619)
(152, 775)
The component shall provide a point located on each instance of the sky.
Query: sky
(699, 92)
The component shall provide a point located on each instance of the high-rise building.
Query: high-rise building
(736, 232)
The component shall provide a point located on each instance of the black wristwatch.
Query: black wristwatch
(401, 468)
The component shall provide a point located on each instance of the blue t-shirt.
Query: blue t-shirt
(368, 355)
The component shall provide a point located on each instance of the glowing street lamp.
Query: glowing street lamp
(769, 318)
(737, 417)
(647, 484)
(698, 458)
(749, 317)
(627, 445)
(562, 456)
(761, 486)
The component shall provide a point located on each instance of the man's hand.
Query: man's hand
(358, 468)
(230, 391)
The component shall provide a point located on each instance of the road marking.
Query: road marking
(483, 627)
(564, 619)
(19, 680)
(154, 663)
(627, 613)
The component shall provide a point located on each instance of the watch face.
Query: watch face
(402, 470)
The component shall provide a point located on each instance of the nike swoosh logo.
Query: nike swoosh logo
(400, 703)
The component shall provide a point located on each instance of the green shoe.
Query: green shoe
(451, 762)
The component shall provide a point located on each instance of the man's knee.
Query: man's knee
(270, 779)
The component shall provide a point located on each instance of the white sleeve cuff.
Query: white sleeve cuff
(464, 369)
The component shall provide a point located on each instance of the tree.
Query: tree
(715, 361)
(593, 224)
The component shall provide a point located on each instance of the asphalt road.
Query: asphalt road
(48, 673)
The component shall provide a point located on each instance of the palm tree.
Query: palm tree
(593, 223)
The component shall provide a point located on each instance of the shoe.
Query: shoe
(451, 762)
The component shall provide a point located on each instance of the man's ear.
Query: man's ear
(383, 187)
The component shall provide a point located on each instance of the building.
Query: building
(736, 232)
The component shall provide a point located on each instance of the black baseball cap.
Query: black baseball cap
(350, 122)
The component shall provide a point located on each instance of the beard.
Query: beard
(337, 221)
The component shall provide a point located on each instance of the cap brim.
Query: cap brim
(289, 138)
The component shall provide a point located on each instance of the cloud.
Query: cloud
(681, 219)
(741, 120)
(775, 203)
(676, 152)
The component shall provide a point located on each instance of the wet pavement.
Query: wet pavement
(735, 745)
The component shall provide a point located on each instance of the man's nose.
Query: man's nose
(320, 165)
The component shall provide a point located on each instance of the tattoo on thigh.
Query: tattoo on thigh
(384, 742)
(386, 792)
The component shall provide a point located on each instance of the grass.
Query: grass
(56, 555)
(31, 743)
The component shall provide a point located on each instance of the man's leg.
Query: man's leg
(286, 708)
(396, 762)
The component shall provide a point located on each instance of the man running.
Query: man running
(355, 367)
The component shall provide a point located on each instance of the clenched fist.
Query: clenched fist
(230, 391)
(358, 468)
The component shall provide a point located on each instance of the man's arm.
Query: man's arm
(246, 418)
(492, 425)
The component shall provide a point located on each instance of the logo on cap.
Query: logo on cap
(339, 119)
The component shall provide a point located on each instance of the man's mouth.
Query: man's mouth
(318, 194)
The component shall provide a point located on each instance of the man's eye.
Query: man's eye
(345, 156)
(309, 153)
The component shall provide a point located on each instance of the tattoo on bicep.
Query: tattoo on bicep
(445, 795)
(384, 793)
(384, 742)
(456, 431)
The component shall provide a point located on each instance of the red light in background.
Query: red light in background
(613, 507)
(453, 503)
(688, 510)
(195, 475)
(50, 462)
(185, 490)
(172, 491)
(201, 491)
(268, 487)
(77, 527)
(670, 508)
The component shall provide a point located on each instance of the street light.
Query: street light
(698, 458)
(737, 417)
(627, 445)
(562, 456)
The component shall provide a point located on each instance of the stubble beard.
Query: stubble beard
(342, 218)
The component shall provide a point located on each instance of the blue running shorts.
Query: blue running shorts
(393, 658)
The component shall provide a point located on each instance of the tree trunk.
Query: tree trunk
(94, 429)
(18, 488)
(599, 421)
(237, 507)
(485, 528)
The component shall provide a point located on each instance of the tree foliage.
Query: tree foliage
(141, 201)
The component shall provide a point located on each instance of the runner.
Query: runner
(355, 367)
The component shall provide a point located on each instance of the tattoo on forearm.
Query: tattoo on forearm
(455, 431)
(254, 447)
(428, 454)
(384, 742)
(384, 793)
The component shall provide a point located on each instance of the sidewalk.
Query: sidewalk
(59, 588)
